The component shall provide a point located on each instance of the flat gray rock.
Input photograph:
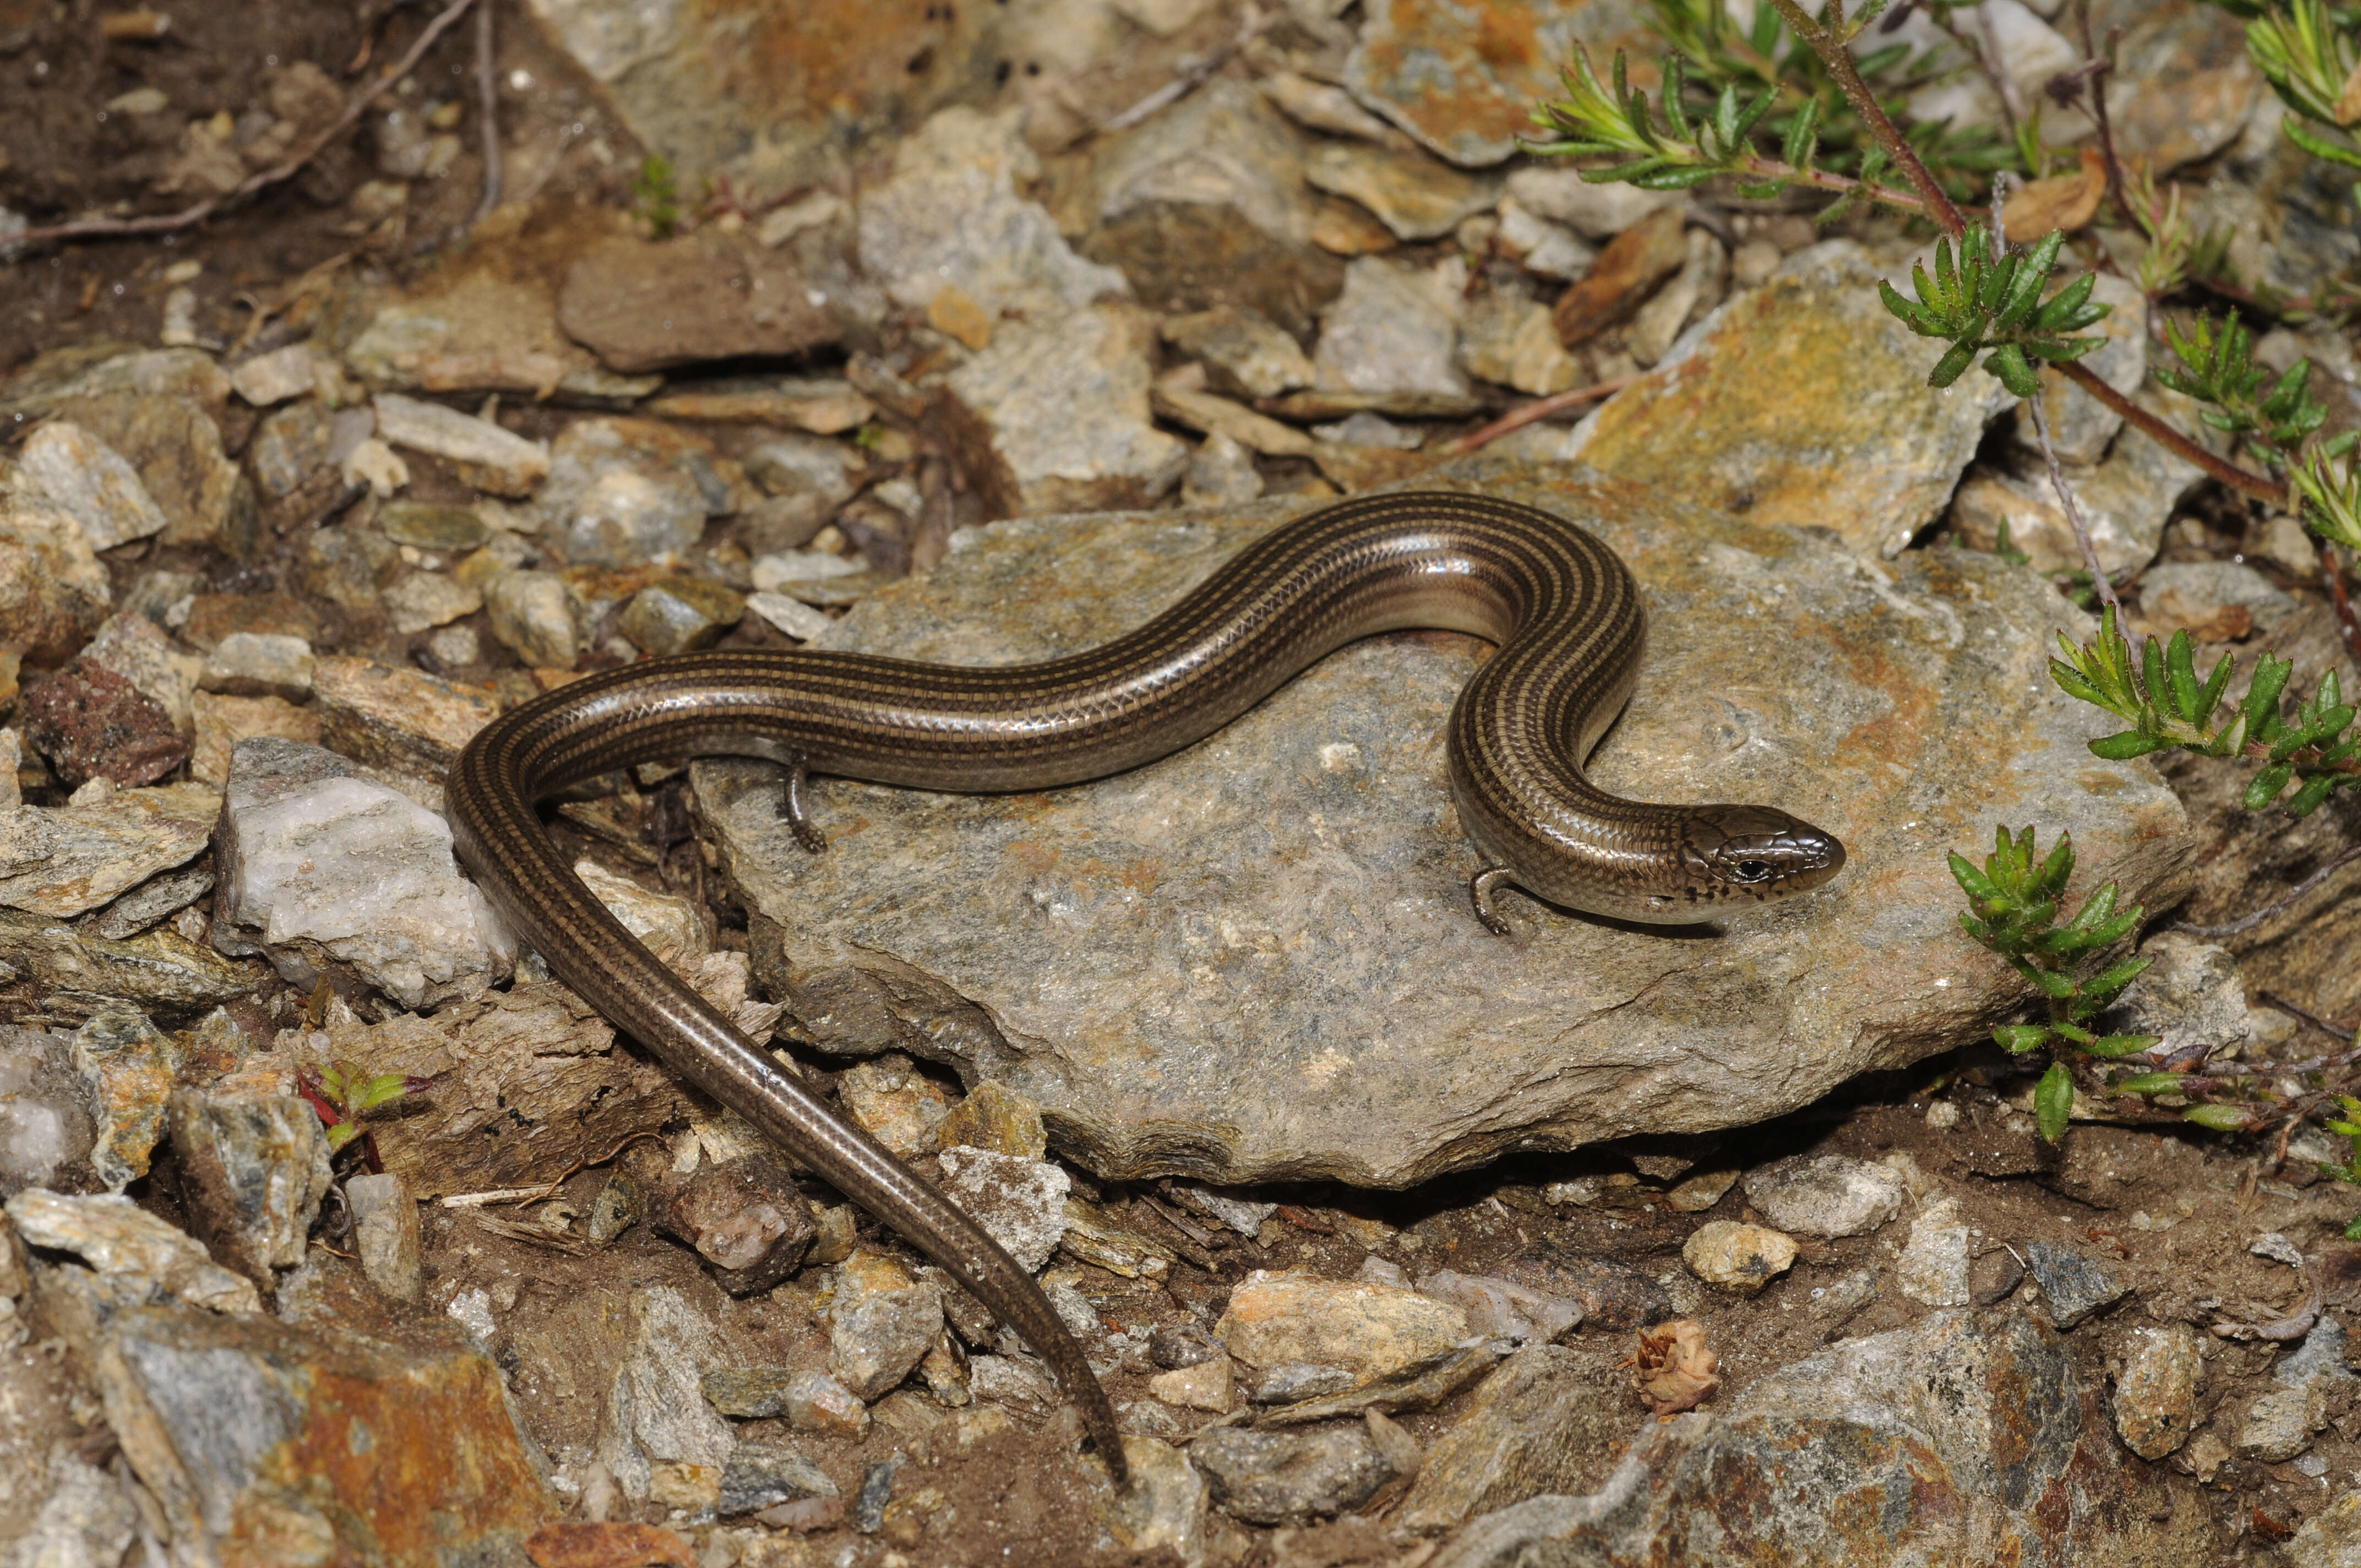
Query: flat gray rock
(1255, 960)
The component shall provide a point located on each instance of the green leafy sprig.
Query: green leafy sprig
(656, 195)
(2162, 699)
(1991, 300)
(2330, 482)
(342, 1094)
(2015, 902)
(2308, 53)
(1662, 145)
(2217, 367)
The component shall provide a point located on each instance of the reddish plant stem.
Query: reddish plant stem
(187, 217)
(2331, 571)
(1822, 40)
(2243, 480)
(1540, 409)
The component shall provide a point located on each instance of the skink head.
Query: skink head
(1752, 853)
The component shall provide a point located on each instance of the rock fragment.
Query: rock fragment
(320, 867)
(1733, 393)
(2280, 1425)
(66, 860)
(2074, 1285)
(655, 1412)
(68, 469)
(882, 1322)
(91, 723)
(534, 615)
(385, 1233)
(1056, 418)
(1464, 85)
(1825, 1195)
(247, 663)
(1020, 1202)
(744, 1216)
(1363, 1330)
(254, 1169)
(424, 600)
(1502, 1309)
(759, 1474)
(223, 722)
(1204, 207)
(1932, 1268)
(1392, 331)
(480, 452)
(451, 1470)
(1626, 273)
(137, 1257)
(1414, 196)
(1541, 1422)
(624, 492)
(175, 446)
(53, 592)
(2155, 1396)
(644, 305)
(1244, 353)
(679, 614)
(1738, 1256)
(1292, 1477)
(275, 377)
(996, 1118)
(400, 719)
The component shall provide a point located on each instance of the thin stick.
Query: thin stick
(1539, 409)
(488, 102)
(2273, 1000)
(187, 217)
(2280, 906)
(2098, 69)
(2106, 590)
(1988, 57)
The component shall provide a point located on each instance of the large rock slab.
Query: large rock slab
(1958, 1440)
(1255, 960)
(1744, 414)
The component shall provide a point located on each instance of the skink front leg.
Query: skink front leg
(798, 820)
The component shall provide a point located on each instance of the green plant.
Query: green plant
(2217, 368)
(2167, 705)
(2308, 53)
(656, 195)
(2015, 902)
(2330, 487)
(1992, 299)
(342, 1094)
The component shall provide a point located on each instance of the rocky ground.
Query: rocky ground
(339, 1231)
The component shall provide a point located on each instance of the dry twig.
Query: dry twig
(1539, 409)
(189, 217)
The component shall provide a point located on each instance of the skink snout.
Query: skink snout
(1755, 852)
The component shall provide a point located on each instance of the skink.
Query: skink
(1561, 608)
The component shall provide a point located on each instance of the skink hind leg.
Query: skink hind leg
(799, 821)
(1481, 886)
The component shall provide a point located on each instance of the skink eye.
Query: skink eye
(1753, 871)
